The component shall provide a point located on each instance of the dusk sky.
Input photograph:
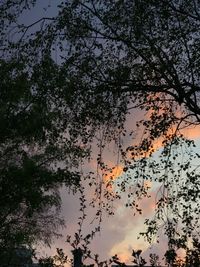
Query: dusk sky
(119, 232)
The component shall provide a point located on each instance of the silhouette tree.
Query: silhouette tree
(35, 152)
(86, 69)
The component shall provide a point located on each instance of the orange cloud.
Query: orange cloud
(124, 256)
(110, 175)
(191, 133)
(114, 173)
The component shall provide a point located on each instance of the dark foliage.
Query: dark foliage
(65, 77)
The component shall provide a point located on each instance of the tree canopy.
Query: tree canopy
(84, 69)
